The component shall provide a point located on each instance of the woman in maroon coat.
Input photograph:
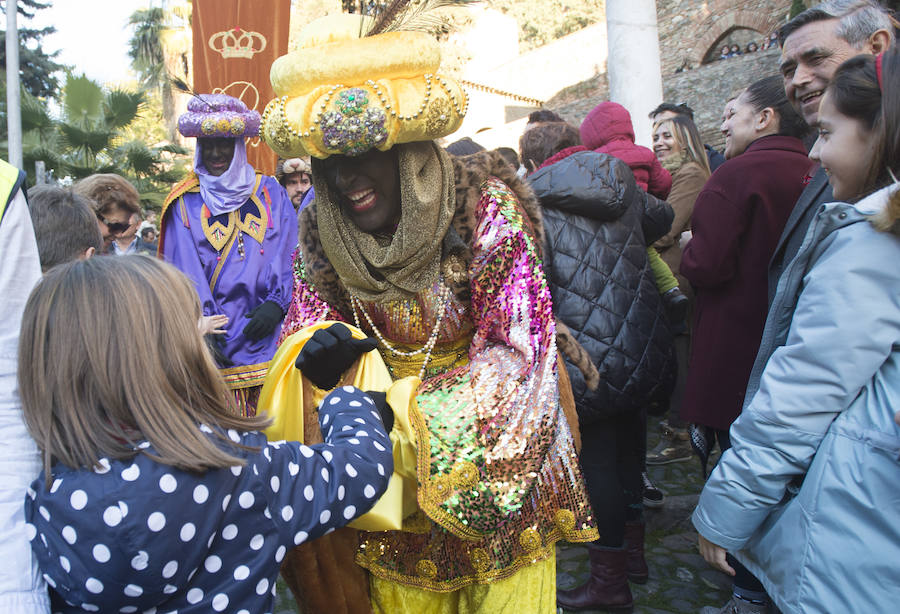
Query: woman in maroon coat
(737, 220)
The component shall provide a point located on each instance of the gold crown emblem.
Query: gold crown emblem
(237, 43)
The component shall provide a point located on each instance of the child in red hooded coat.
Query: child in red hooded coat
(607, 129)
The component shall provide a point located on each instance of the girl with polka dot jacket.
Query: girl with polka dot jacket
(154, 496)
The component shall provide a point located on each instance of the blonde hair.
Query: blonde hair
(688, 138)
(87, 393)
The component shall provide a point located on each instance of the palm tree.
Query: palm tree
(88, 138)
(40, 139)
(90, 129)
(149, 60)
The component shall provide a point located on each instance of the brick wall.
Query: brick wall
(689, 28)
(687, 31)
(706, 89)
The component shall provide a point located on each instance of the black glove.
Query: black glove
(330, 352)
(216, 345)
(387, 414)
(263, 320)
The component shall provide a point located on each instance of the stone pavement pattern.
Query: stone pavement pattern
(680, 580)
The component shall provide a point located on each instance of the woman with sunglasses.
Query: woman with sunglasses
(114, 200)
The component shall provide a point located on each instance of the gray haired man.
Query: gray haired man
(813, 45)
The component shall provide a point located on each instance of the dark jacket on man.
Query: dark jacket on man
(598, 224)
(815, 194)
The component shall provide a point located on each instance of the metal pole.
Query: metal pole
(13, 101)
(40, 172)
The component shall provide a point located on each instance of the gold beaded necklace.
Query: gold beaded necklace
(444, 300)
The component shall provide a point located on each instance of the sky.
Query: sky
(92, 35)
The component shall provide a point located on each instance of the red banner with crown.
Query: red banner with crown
(235, 43)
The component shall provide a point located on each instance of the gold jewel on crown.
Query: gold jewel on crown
(237, 43)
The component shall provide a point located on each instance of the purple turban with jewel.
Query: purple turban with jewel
(218, 115)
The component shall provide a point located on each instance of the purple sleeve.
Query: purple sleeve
(180, 250)
(282, 240)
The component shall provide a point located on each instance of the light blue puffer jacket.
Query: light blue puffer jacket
(808, 497)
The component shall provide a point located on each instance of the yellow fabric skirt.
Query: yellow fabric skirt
(531, 590)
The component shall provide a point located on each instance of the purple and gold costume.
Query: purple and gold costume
(237, 261)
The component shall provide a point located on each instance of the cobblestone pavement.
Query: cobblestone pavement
(680, 580)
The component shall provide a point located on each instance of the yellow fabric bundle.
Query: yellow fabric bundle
(288, 398)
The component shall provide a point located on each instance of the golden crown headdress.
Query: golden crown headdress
(237, 43)
(346, 92)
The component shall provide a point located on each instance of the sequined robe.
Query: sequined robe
(499, 482)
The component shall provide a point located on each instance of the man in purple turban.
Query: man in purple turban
(232, 230)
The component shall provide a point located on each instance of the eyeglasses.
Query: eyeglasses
(115, 227)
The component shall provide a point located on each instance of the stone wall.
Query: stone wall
(704, 89)
(689, 28)
(687, 31)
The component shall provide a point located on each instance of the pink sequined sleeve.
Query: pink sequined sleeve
(493, 423)
(510, 298)
(306, 307)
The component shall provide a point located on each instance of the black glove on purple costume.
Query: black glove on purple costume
(263, 320)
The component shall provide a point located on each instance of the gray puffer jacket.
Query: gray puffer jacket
(598, 224)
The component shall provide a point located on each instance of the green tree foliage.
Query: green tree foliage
(797, 7)
(150, 124)
(148, 58)
(543, 22)
(91, 130)
(38, 69)
(92, 134)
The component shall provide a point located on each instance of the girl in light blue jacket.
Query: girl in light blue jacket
(808, 497)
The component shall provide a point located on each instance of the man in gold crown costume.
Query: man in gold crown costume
(439, 259)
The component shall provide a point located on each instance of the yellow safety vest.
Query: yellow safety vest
(11, 179)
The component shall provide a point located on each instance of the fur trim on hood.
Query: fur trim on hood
(888, 220)
(472, 171)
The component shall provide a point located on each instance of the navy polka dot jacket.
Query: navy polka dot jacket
(137, 535)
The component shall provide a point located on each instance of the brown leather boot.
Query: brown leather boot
(607, 587)
(635, 564)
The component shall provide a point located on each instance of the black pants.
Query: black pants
(612, 454)
(682, 345)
